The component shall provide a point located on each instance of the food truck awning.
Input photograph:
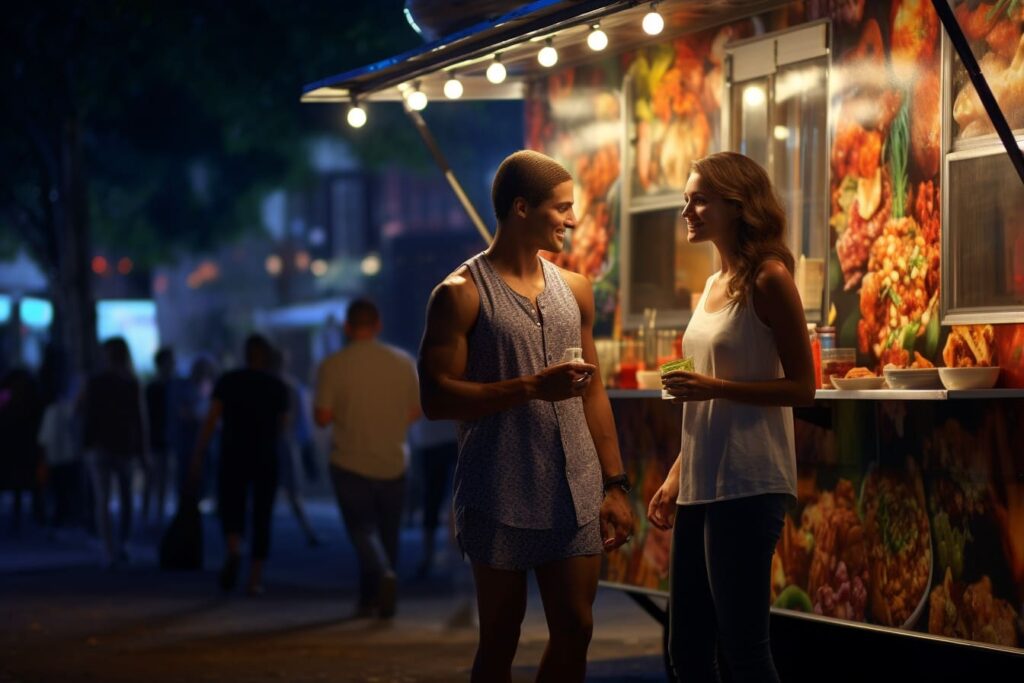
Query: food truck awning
(517, 37)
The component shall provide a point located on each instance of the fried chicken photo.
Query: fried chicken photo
(969, 346)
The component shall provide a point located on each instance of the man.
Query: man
(536, 436)
(158, 397)
(369, 393)
(253, 403)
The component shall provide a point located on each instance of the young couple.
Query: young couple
(539, 483)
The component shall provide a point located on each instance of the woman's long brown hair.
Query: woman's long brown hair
(741, 180)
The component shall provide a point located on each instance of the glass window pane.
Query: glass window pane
(750, 119)
(666, 271)
(799, 128)
(986, 233)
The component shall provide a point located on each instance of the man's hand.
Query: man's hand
(662, 510)
(690, 386)
(563, 381)
(616, 519)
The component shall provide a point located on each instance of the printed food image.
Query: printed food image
(676, 96)
(969, 346)
(899, 544)
(995, 34)
(971, 612)
(826, 556)
(593, 159)
(862, 202)
(899, 294)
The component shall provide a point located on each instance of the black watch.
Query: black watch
(619, 480)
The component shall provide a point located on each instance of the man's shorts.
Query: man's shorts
(496, 545)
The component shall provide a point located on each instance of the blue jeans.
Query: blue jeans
(721, 570)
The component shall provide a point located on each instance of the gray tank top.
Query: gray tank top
(533, 466)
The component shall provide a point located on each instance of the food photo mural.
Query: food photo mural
(909, 515)
(575, 117)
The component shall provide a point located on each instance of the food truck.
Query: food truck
(905, 205)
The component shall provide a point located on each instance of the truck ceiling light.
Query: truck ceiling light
(417, 99)
(653, 22)
(356, 115)
(453, 87)
(548, 55)
(496, 71)
(597, 39)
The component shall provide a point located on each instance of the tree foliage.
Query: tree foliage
(188, 111)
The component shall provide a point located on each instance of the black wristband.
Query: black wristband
(619, 480)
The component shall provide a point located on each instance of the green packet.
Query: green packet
(678, 364)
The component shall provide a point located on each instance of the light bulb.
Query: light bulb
(597, 39)
(548, 55)
(417, 99)
(453, 88)
(356, 116)
(653, 22)
(754, 96)
(496, 71)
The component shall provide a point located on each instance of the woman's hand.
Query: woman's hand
(662, 510)
(689, 386)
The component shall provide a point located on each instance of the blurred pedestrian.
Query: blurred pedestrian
(59, 446)
(190, 402)
(252, 402)
(437, 446)
(114, 439)
(158, 410)
(20, 415)
(295, 436)
(368, 393)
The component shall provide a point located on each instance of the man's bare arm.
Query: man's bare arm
(444, 352)
(596, 405)
(616, 509)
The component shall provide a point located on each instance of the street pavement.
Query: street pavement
(66, 617)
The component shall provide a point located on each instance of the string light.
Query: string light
(548, 55)
(597, 39)
(417, 99)
(653, 22)
(496, 71)
(453, 87)
(356, 115)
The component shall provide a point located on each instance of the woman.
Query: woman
(114, 437)
(736, 470)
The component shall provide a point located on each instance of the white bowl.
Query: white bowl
(648, 379)
(912, 378)
(857, 383)
(969, 378)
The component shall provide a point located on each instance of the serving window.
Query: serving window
(982, 195)
(777, 95)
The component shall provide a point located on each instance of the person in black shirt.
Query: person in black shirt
(253, 405)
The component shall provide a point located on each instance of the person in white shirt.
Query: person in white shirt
(369, 393)
(727, 491)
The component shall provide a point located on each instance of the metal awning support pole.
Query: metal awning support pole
(449, 175)
(988, 100)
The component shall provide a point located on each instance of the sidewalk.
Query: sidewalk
(66, 618)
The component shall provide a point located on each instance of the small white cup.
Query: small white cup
(573, 354)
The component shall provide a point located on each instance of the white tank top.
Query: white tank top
(730, 449)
